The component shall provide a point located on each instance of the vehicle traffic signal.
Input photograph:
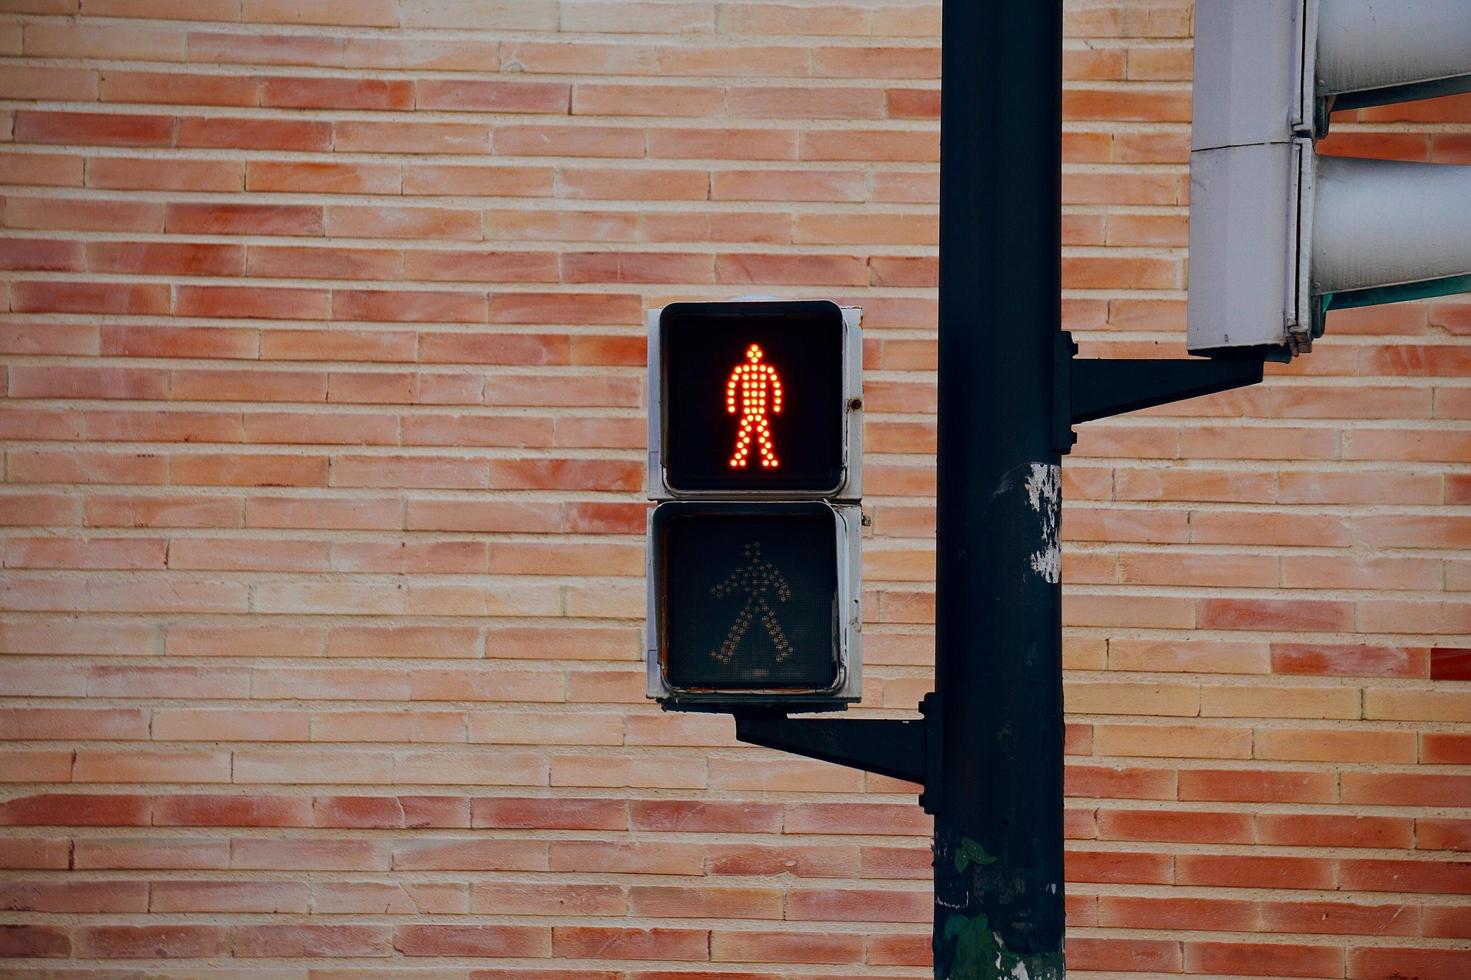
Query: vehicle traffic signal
(755, 446)
(1279, 234)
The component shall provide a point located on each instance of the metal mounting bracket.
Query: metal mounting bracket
(1094, 388)
(906, 750)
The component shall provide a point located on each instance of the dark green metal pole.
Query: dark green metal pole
(998, 829)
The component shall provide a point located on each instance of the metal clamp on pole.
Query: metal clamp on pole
(1094, 388)
(907, 750)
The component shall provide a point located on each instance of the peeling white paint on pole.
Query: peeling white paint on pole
(1044, 495)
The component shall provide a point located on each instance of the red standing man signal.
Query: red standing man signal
(752, 386)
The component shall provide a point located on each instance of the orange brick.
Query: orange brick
(40, 169)
(116, 510)
(1277, 959)
(1421, 705)
(724, 903)
(393, 52)
(1437, 747)
(635, 857)
(1345, 918)
(584, 942)
(131, 942)
(326, 178)
(1251, 871)
(188, 724)
(359, 897)
(1257, 785)
(354, 221)
(1297, 702)
(1193, 655)
(625, 771)
(1424, 877)
(35, 767)
(1115, 104)
(409, 306)
(1433, 790)
(1177, 914)
(250, 132)
(88, 297)
(753, 946)
(1385, 962)
(186, 175)
(176, 854)
(829, 270)
(1118, 867)
(1124, 954)
(750, 18)
(781, 775)
(724, 144)
(179, 88)
(371, 136)
(1329, 745)
(1172, 740)
(1305, 615)
(336, 93)
(858, 905)
(548, 899)
(488, 181)
(112, 468)
(366, 13)
(160, 258)
(49, 84)
(644, 267)
(1119, 783)
(78, 896)
(1194, 825)
(243, 49)
(572, 141)
(480, 267)
(248, 470)
(151, 767)
(593, 99)
(1448, 835)
(92, 128)
(1355, 661)
(659, 185)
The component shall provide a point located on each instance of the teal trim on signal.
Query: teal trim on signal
(1401, 293)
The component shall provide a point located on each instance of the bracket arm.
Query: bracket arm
(890, 747)
(1094, 388)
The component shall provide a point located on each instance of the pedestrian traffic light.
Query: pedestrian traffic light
(1279, 234)
(754, 601)
(754, 398)
(755, 445)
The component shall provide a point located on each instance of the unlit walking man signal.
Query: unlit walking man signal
(757, 578)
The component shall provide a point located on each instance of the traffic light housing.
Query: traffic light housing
(755, 453)
(1279, 234)
(803, 358)
(754, 604)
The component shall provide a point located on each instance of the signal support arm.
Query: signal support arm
(906, 750)
(1085, 389)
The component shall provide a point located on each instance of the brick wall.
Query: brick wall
(322, 552)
